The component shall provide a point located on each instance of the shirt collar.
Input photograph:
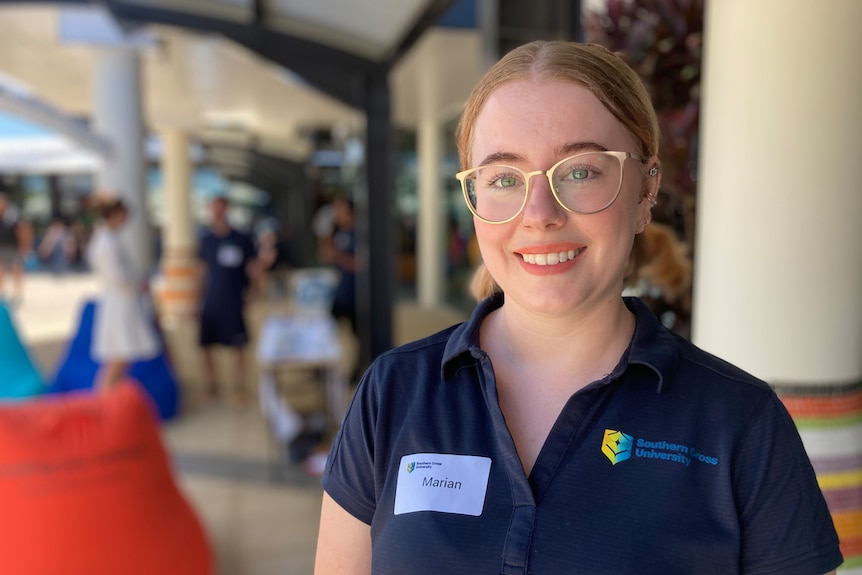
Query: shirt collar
(653, 345)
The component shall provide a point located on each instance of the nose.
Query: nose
(541, 209)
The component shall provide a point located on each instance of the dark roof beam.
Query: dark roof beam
(248, 167)
(260, 181)
(428, 18)
(272, 164)
(329, 69)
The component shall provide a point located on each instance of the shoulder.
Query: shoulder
(99, 246)
(418, 363)
(700, 387)
(237, 234)
(427, 349)
(206, 237)
(241, 238)
(100, 236)
(684, 368)
(709, 393)
(704, 368)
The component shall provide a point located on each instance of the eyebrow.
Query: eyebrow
(566, 149)
(582, 147)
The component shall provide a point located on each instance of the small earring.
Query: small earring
(653, 171)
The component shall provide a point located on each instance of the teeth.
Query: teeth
(550, 259)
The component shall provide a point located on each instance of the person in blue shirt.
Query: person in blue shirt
(340, 251)
(229, 269)
(562, 428)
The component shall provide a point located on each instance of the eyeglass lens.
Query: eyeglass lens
(586, 183)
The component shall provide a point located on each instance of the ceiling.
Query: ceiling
(221, 91)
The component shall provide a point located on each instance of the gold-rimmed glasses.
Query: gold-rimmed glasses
(585, 183)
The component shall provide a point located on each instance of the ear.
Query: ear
(649, 193)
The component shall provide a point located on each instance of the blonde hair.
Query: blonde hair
(605, 74)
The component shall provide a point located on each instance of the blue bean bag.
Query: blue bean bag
(78, 369)
(19, 377)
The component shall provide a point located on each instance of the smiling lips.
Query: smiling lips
(551, 258)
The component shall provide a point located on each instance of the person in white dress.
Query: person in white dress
(122, 331)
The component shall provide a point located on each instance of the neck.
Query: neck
(583, 346)
(220, 228)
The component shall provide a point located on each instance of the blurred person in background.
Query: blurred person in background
(123, 332)
(230, 274)
(57, 247)
(78, 247)
(15, 244)
(272, 258)
(340, 251)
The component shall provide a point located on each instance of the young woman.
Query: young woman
(122, 331)
(562, 428)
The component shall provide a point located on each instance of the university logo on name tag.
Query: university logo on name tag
(442, 482)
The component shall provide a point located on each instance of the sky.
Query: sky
(11, 127)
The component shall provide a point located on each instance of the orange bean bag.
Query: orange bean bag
(86, 489)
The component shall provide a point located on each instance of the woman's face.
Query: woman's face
(118, 218)
(533, 125)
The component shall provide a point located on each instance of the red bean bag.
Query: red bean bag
(86, 489)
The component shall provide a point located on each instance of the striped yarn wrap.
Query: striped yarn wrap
(830, 423)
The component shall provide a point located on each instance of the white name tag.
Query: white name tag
(229, 256)
(442, 482)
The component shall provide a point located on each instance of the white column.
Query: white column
(118, 117)
(177, 293)
(431, 225)
(177, 172)
(778, 271)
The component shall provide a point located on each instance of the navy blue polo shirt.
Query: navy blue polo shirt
(226, 258)
(676, 462)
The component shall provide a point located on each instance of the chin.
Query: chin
(546, 302)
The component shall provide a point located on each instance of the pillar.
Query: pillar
(431, 224)
(779, 245)
(178, 290)
(118, 117)
(778, 263)
(375, 225)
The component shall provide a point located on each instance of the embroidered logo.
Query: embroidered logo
(617, 446)
(411, 466)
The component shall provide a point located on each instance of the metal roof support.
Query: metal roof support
(376, 225)
(328, 69)
(34, 110)
(427, 19)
